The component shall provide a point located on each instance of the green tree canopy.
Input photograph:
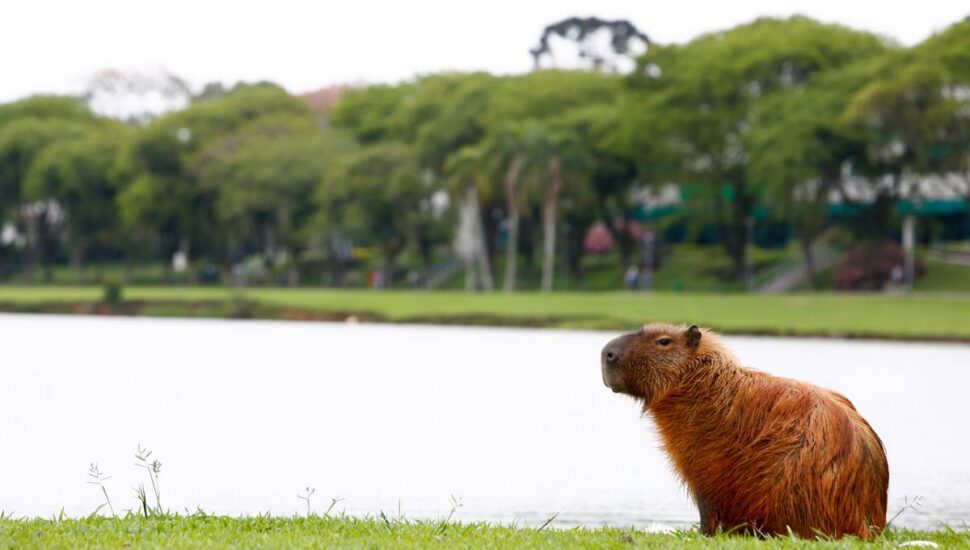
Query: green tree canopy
(698, 101)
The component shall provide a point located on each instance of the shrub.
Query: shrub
(870, 266)
(112, 294)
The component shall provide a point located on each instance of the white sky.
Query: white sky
(53, 46)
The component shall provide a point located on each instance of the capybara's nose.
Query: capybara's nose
(614, 350)
(611, 353)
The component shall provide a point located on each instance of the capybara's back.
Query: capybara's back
(765, 454)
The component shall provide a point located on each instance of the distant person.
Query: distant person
(631, 276)
(376, 279)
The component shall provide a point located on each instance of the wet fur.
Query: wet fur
(756, 451)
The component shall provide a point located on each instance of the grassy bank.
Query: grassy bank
(915, 316)
(201, 531)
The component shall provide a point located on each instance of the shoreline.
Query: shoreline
(247, 309)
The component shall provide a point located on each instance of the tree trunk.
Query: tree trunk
(807, 239)
(391, 251)
(336, 265)
(733, 231)
(471, 276)
(389, 273)
(191, 274)
(512, 246)
(33, 243)
(621, 238)
(549, 222)
(293, 272)
(575, 242)
(45, 244)
(129, 265)
(478, 234)
(77, 258)
(467, 238)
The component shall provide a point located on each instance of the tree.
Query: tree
(27, 127)
(506, 149)
(555, 160)
(466, 169)
(166, 197)
(624, 39)
(914, 117)
(522, 112)
(798, 149)
(697, 103)
(262, 175)
(81, 177)
(441, 115)
(611, 172)
(45, 107)
(380, 198)
(371, 113)
(446, 113)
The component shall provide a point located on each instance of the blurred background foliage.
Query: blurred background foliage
(779, 148)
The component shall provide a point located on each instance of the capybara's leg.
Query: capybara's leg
(709, 521)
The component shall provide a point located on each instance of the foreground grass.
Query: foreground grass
(202, 531)
(914, 316)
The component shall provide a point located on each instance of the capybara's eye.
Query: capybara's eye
(664, 341)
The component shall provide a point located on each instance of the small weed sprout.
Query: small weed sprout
(907, 505)
(455, 505)
(98, 478)
(549, 521)
(333, 502)
(153, 468)
(307, 493)
(142, 498)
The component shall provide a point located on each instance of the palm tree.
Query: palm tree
(557, 157)
(465, 168)
(508, 149)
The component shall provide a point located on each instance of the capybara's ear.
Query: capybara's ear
(693, 336)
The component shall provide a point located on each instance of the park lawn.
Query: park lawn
(944, 275)
(685, 267)
(205, 531)
(914, 316)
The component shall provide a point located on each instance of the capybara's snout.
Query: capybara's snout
(611, 361)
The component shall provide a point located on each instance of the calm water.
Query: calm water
(514, 423)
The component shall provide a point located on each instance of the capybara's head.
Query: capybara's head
(647, 363)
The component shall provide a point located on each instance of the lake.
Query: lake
(515, 424)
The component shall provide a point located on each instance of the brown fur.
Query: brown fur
(767, 453)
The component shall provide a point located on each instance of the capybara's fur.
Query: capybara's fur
(758, 453)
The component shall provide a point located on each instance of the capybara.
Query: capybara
(758, 453)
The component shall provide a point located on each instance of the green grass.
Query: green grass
(100, 272)
(943, 275)
(918, 315)
(203, 531)
(684, 267)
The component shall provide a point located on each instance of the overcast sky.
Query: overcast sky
(53, 46)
